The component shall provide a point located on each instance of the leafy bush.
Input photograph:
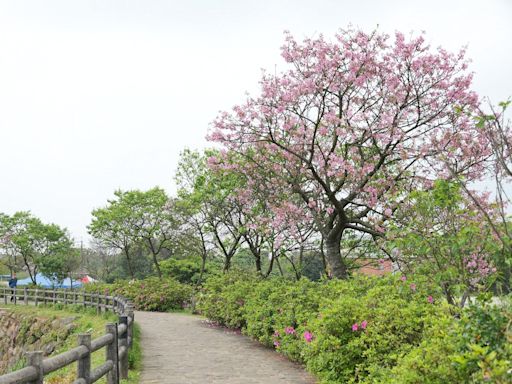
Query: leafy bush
(151, 294)
(485, 346)
(357, 335)
(187, 271)
(365, 330)
(223, 298)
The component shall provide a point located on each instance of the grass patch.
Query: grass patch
(86, 321)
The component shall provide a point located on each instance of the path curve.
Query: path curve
(183, 349)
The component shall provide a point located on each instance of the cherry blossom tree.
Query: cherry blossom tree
(350, 128)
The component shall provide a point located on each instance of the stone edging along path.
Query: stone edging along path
(183, 349)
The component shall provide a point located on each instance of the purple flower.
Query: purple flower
(364, 323)
(276, 334)
(308, 336)
(277, 344)
(403, 278)
(289, 331)
(355, 327)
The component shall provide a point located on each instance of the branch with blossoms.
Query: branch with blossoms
(351, 128)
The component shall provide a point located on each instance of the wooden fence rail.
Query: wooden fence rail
(117, 339)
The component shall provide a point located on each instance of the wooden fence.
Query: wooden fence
(117, 338)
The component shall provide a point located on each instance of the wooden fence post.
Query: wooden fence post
(131, 316)
(54, 293)
(84, 364)
(5, 296)
(25, 295)
(15, 298)
(36, 297)
(123, 342)
(111, 354)
(35, 359)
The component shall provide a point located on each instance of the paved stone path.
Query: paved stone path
(184, 349)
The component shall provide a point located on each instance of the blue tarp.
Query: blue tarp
(46, 282)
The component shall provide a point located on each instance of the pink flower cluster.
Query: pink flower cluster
(308, 336)
(289, 331)
(478, 267)
(356, 327)
(277, 343)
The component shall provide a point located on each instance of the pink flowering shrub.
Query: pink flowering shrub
(364, 330)
(357, 334)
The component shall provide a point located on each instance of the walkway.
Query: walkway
(184, 349)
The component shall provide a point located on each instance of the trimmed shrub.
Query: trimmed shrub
(223, 297)
(366, 330)
(151, 294)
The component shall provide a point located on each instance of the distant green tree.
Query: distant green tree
(155, 223)
(136, 221)
(31, 242)
(114, 225)
(62, 263)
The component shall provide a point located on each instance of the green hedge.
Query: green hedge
(151, 294)
(365, 330)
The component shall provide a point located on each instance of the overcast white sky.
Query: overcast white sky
(100, 95)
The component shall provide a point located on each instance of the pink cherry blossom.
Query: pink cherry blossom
(294, 152)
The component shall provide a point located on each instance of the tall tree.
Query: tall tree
(114, 226)
(137, 218)
(210, 197)
(351, 127)
(154, 219)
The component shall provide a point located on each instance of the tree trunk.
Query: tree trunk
(258, 263)
(155, 261)
(332, 242)
(255, 248)
(204, 255)
(270, 266)
(130, 269)
(322, 254)
(203, 268)
(227, 263)
(279, 267)
(154, 253)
